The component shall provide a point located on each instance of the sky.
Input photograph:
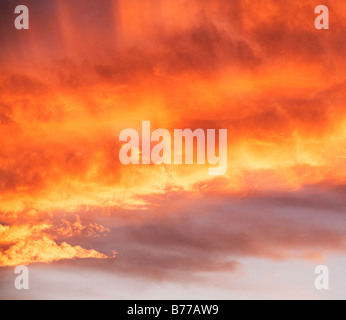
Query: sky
(89, 227)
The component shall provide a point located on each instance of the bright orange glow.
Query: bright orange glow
(180, 64)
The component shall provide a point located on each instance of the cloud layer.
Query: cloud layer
(87, 70)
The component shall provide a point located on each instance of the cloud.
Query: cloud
(25, 244)
(186, 237)
(67, 228)
(69, 86)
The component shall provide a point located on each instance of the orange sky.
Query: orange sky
(84, 72)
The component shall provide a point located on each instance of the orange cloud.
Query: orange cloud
(262, 72)
(25, 244)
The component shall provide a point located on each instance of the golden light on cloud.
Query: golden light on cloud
(25, 244)
(84, 72)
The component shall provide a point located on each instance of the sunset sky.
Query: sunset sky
(89, 227)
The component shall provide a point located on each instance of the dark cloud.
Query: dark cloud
(186, 237)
